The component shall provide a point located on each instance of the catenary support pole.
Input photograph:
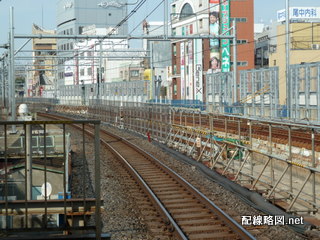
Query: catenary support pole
(235, 62)
(165, 19)
(12, 75)
(288, 83)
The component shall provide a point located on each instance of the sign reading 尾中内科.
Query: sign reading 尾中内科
(302, 13)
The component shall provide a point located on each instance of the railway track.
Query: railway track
(301, 138)
(187, 211)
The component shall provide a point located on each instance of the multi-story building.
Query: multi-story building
(265, 42)
(304, 43)
(44, 73)
(118, 62)
(74, 15)
(158, 60)
(83, 68)
(192, 59)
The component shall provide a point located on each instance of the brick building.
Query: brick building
(193, 59)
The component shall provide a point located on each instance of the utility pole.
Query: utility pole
(235, 61)
(12, 75)
(100, 70)
(165, 19)
(152, 83)
(3, 91)
(288, 82)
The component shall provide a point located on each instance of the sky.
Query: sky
(43, 13)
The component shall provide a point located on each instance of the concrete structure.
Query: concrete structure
(159, 60)
(74, 16)
(30, 159)
(265, 43)
(118, 63)
(20, 79)
(191, 58)
(43, 80)
(304, 48)
(84, 66)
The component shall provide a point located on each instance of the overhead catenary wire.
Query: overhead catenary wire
(250, 42)
(147, 17)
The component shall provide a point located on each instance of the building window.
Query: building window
(239, 41)
(82, 72)
(89, 71)
(183, 31)
(80, 29)
(201, 23)
(174, 69)
(173, 8)
(186, 11)
(134, 73)
(239, 19)
(174, 50)
(242, 64)
(174, 31)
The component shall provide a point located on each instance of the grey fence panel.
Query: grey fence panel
(259, 92)
(306, 92)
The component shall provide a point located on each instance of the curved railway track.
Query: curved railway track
(300, 137)
(188, 212)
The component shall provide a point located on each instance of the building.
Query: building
(265, 42)
(20, 80)
(74, 15)
(53, 161)
(118, 62)
(83, 68)
(304, 42)
(44, 64)
(159, 60)
(191, 58)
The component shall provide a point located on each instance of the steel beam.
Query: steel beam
(296, 197)
(103, 37)
(55, 206)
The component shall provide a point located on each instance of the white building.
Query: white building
(117, 61)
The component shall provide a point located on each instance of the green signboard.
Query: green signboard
(225, 43)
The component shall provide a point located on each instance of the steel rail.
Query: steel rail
(236, 228)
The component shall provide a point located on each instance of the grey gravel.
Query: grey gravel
(121, 216)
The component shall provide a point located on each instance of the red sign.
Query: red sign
(191, 29)
(214, 1)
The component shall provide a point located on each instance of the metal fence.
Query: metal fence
(219, 89)
(37, 188)
(259, 92)
(133, 91)
(305, 85)
(261, 155)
